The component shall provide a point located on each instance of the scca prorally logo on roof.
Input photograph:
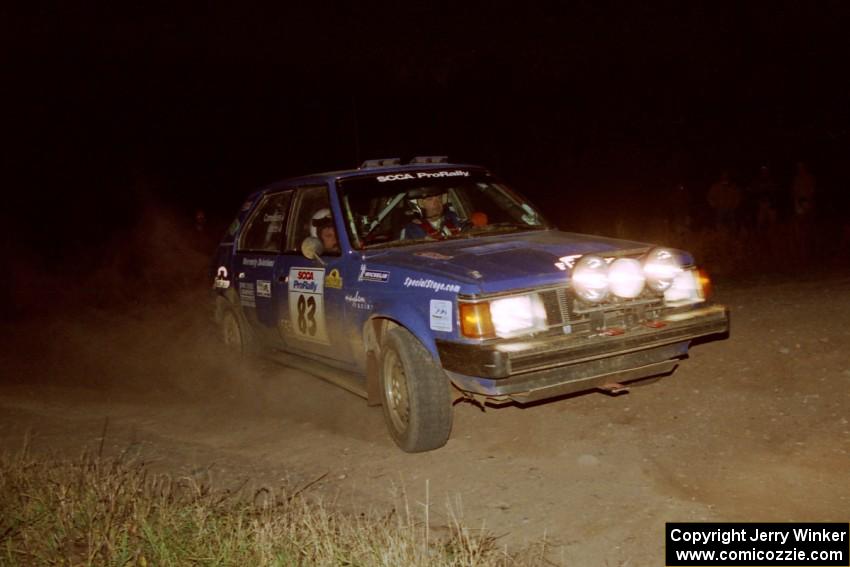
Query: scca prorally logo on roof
(422, 175)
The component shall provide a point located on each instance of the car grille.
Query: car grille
(567, 314)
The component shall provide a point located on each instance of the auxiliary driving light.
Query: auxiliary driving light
(626, 278)
(590, 278)
(661, 267)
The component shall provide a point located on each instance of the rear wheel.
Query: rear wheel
(234, 332)
(415, 394)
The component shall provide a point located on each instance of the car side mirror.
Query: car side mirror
(312, 249)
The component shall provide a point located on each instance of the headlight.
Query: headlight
(626, 278)
(513, 315)
(690, 286)
(661, 267)
(506, 317)
(590, 278)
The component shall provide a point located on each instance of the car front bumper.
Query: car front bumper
(534, 369)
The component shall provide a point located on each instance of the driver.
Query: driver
(437, 222)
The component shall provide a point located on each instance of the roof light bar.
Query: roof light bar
(430, 159)
(382, 162)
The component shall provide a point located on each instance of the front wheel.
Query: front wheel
(415, 394)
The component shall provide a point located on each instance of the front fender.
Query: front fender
(411, 317)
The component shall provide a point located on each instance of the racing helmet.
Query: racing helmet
(414, 196)
(320, 219)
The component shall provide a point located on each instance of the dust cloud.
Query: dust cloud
(129, 314)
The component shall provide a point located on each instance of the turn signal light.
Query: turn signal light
(704, 283)
(475, 321)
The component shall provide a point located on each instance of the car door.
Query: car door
(309, 292)
(258, 251)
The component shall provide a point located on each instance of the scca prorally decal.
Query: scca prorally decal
(431, 284)
(305, 280)
(422, 175)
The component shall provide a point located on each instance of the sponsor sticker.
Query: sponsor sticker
(333, 279)
(258, 262)
(221, 281)
(433, 255)
(274, 217)
(433, 285)
(441, 315)
(367, 275)
(264, 288)
(568, 261)
(357, 301)
(246, 294)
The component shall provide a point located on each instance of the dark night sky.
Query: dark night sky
(199, 104)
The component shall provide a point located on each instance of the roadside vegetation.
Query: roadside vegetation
(95, 510)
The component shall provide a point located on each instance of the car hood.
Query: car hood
(500, 263)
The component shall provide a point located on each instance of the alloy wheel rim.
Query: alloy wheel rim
(395, 392)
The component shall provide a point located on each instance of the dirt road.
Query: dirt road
(752, 428)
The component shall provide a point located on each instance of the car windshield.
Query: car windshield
(409, 207)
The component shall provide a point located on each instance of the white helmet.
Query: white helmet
(322, 217)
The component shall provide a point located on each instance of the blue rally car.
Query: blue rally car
(412, 285)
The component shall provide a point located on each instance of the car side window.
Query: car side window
(265, 230)
(313, 217)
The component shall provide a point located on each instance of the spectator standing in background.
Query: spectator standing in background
(764, 193)
(803, 199)
(724, 198)
(803, 193)
(679, 210)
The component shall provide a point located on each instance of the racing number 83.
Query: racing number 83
(307, 315)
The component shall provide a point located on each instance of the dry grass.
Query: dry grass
(114, 511)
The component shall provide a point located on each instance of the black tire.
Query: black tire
(415, 394)
(234, 332)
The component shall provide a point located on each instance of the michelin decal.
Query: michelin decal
(367, 275)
